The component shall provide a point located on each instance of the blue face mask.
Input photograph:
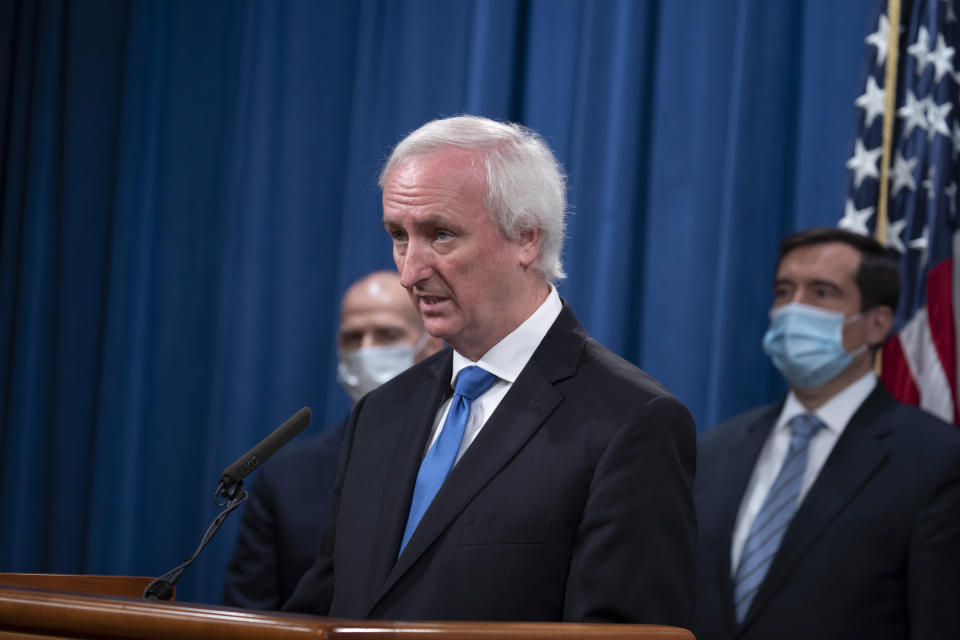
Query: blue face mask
(806, 344)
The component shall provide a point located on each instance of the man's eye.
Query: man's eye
(398, 236)
(385, 335)
(444, 235)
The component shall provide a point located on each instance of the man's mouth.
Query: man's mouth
(426, 302)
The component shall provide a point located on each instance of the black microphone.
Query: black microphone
(231, 488)
(232, 475)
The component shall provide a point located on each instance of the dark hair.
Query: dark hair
(878, 276)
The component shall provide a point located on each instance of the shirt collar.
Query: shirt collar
(507, 358)
(837, 411)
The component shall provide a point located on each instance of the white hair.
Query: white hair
(524, 182)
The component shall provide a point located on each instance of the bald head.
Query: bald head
(377, 312)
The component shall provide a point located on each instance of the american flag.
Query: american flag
(919, 364)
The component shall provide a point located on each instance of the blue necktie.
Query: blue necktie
(775, 514)
(472, 382)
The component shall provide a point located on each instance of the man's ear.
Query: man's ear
(529, 243)
(879, 322)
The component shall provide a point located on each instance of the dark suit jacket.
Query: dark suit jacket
(873, 551)
(573, 503)
(282, 522)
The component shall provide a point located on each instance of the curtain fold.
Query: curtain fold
(188, 189)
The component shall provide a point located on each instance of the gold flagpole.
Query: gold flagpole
(889, 103)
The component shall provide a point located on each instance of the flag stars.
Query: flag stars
(915, 168)
(921, 49)
(937, 118)
(856, 220)
(940, 58)
(871, 101)
(879, 39)
(903, 174)
(893, 240)
(864, 163)
(914, 113)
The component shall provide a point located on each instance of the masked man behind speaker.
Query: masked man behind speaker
(380, 336)
(836, 512)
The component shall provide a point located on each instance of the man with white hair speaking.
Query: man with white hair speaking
(526, 473)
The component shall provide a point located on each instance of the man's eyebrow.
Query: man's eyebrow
(826, 283)
(818, 282)
(383, 328)
(429, 222)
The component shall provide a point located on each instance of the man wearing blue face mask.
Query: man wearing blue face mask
(380, 336)
(834, 513)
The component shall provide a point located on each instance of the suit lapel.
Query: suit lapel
(404, 466)
(522, 411)
(737, 467)
(856, 457)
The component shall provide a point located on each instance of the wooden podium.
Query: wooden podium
(38, 606)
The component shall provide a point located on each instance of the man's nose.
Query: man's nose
(415, 264)
(802, 296)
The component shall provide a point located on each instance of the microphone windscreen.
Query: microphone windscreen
(268, 446)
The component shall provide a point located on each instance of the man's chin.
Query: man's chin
(439, 327)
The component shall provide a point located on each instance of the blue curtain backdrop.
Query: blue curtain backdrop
(188, 188)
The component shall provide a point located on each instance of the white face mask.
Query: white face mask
(361, 371)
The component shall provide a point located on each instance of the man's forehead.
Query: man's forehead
(824, 261)
(380, 292)
(449, 165)
(366, 318)
(376, 290)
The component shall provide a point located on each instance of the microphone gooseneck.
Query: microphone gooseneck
(230, 495)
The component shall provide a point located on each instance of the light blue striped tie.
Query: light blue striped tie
(472, 382)
(775, 514)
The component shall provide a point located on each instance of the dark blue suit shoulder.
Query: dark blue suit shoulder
(617, 376)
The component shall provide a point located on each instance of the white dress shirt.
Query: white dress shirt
(835, 415)
(506, 360)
